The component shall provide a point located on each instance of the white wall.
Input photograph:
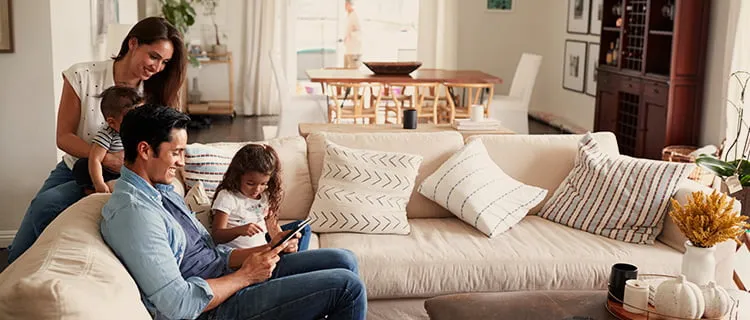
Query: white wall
(27, 113)
(494, 42)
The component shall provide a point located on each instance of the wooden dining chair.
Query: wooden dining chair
(393, 99)
(423, 98)
(349, 101)
(474, 94)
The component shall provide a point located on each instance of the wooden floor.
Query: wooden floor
(225, 129)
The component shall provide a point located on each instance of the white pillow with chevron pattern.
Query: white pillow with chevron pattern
(477, 191)
(364, 191)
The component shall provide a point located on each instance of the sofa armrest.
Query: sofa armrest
(671, 235)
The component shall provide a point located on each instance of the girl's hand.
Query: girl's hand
(249, 230)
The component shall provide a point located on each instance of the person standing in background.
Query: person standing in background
(353, 39)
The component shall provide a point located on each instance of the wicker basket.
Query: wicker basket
(678, 153)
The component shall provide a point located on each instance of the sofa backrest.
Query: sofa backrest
(70, 273)
(540, 160)
(434, 147)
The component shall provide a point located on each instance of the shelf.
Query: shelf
(213, 61)
(661, 33)
(613, 29)
(211, 108)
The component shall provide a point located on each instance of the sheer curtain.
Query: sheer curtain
(437, 46)
(265, 28)
(740, 62)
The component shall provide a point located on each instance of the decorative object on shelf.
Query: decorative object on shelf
(718, 302)
(618, 277)
(735, 173)
(477, 112)
(592, 58)
(635, 299)
(500, 5)
(578, 16)
(597, 15)
(574, 65)
(706, 220)
(218, 49)
(195, 94)
(667, 10)
(617, 9)
(393, 68)
(6, 26)
(679, 298)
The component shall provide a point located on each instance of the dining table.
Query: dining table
(331, 75)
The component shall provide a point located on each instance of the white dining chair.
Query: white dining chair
(295, 109)
(513, 110)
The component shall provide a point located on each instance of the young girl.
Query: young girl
(247, 200)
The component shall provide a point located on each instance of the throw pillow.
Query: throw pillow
(199, 203)
(476, 190)
(618, 197)
(364, 191)
(207, 165)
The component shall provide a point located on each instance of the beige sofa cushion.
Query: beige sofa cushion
(70, 273)
(540, 160)
(443, 256)
(434, 147)
(295, 176)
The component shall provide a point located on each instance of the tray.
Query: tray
(393, 68)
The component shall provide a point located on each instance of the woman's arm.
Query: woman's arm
(67, 123)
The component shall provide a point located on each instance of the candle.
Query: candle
(477, 113)
(635, 299)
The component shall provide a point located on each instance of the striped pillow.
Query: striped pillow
(206, 164)
(476, 190)
(619, 197)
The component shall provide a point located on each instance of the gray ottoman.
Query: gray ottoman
(519, 305)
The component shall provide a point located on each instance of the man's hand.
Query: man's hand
(291, 245)
(249, 230)
(259, 266)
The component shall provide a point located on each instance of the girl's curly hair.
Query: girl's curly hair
(259, 158)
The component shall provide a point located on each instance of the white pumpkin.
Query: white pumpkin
(717, 300)
(679, 298)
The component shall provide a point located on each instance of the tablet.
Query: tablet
(291, 234)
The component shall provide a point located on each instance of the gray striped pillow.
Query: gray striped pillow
(620, 197)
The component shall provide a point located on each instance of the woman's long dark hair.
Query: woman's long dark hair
(259, 158)
(164, 87)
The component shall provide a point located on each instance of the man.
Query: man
(181, 273)
(353, 39)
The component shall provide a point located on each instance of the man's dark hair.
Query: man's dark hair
(118, 99)
(150, 123)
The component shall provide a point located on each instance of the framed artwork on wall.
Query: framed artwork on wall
(500, 5)
(574, 65)
(579, 16)
(592, 60)
(6, 27)
(103, 13)
(597, 13)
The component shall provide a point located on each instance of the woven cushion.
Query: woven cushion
(478, 192)
(618, 197)
(364, 191)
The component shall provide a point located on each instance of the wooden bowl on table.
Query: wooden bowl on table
(393, 68)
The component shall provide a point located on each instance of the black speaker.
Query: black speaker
(410, 118)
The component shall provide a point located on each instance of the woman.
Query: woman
(152, 58)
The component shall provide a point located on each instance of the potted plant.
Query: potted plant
(734, 167)
(209, 10)
(181, 14)
(706, 220)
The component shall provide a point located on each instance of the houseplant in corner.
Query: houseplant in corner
(706, 220)
(734, 172)
(209, 10)
(181, 14)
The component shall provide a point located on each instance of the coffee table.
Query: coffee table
(540, 305)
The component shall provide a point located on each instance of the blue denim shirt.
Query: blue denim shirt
(151, 244)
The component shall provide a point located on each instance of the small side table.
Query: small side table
(213, 107)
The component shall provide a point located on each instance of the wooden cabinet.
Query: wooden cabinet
(649, 88)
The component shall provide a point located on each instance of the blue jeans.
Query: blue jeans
(58, 192)
(305, 285)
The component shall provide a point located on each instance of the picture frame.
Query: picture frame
(592, 61)
(597, 14)
(500, 5)
(574, 65)
(579, 16)
(103, 13)
(6, 27)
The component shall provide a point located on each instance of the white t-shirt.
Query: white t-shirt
(88, 80)
(243, 210)
(354, 34)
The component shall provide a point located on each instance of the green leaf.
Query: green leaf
(720, 168)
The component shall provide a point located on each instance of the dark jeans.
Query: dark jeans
(58, 192)
(83, 178)
(306, 285)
